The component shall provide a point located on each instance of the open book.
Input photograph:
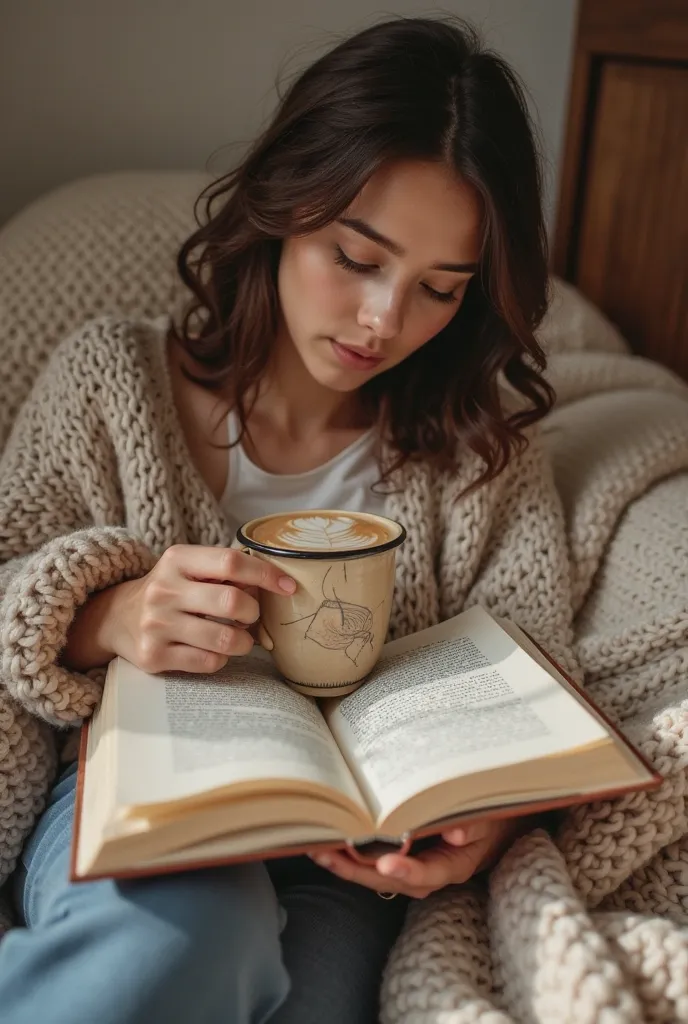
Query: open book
(466, 719)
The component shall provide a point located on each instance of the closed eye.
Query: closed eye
(440, 296)
(342, 260)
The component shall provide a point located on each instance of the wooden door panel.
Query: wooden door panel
(632, 255)
(622, 221)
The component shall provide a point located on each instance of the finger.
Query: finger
(182, 658)
(462, 862)
(263, 637)
(471, 832)
(432, 869)
(216, 637)
(226, 565)
(220, 601)
(439, 866)
(350, 871)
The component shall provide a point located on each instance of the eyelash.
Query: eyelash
(342, 260)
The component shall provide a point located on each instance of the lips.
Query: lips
(358, 358)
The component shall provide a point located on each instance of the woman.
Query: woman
(366, 287)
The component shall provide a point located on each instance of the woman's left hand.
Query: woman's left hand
(459, 854)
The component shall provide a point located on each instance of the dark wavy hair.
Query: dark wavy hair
(408, 88)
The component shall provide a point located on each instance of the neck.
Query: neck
(290, 399)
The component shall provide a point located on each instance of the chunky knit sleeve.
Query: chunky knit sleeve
(61, 537)
(511, 536)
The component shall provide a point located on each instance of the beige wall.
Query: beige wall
(98, 85)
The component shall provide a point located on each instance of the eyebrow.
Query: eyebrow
(365, 229)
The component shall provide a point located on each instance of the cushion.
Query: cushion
(573, 324)
(104, 244)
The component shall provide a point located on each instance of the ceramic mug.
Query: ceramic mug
(326, 637)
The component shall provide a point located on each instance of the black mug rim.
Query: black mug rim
(320, 556)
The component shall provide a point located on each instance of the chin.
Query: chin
(336, 380)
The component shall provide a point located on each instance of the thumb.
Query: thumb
(264, 638)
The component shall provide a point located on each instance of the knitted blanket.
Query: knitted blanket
(591, 927)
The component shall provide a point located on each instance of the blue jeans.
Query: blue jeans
(282, 942)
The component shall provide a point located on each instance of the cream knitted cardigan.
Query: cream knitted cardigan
(96, 481)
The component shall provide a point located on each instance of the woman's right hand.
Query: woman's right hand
(159, 622)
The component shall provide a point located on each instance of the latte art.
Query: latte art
(322, 532)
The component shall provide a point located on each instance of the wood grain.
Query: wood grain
(632, 257)
(622, 223)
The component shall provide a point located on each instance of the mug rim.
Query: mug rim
(314, 556)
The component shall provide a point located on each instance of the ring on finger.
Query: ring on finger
(387, 895)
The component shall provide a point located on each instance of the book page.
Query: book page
(182, 735)
(458, 698)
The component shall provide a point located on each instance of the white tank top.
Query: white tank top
(344, 482)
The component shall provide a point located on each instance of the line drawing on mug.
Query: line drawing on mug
(339, 625)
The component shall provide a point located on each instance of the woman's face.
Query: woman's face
(360, 295)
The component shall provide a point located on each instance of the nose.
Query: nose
(384, 320)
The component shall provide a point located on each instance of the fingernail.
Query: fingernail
(323, 860)
(287, 584)
(400, 871)
(456, 835)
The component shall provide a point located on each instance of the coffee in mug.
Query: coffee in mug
(327, 636)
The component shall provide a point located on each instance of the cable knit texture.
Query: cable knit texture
(104, 244)
(588, 926)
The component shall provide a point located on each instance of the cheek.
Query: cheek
(313, 280)
(429, 319)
